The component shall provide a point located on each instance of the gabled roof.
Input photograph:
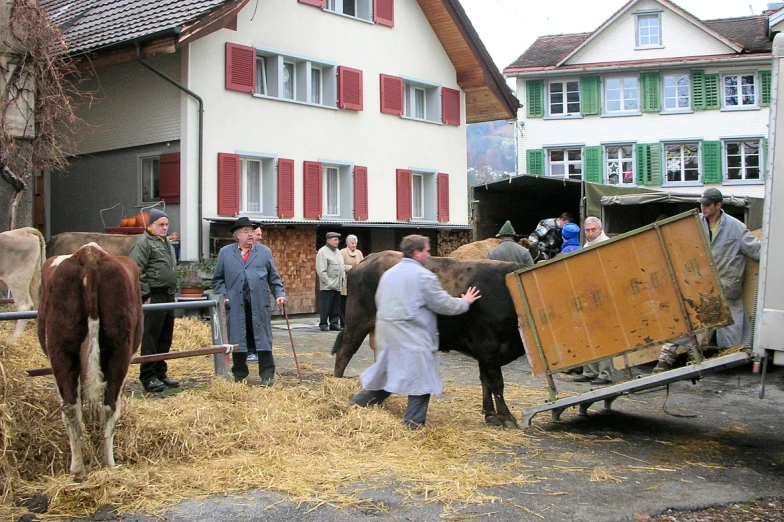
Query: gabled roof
(103, 26)
(748, 34)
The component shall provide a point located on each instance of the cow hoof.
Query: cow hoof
(493, 420)
(510, 424)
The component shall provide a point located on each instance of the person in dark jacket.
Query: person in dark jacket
(157, 263)
(546, 239)
(508, 249)
(245, 273)
(571, 238)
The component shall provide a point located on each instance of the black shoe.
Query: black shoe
(324, 328)
(583, 378)
(154, 386)
(600, 381)
(336, 328)
(169, 383)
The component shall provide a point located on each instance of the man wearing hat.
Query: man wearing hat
(509, 249)
(730, 244)
(245, 273)
(331, 273)
(157, 263)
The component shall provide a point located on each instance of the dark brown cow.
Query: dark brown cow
(487, 332)
(89, 325)
(69, 242)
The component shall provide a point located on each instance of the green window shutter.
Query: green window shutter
(764, 158)
(534, 161)
(765, 81)
(592, 158)
(648, 163)
(698, 90)
(711, 162)
(712, 91)
(650, 83)
(534, 92)
(590, 95)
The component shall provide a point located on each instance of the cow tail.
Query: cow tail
(338, 341)
(93, 384)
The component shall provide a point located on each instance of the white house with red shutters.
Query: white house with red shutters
(304, 115)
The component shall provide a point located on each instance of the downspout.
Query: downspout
(201, 136)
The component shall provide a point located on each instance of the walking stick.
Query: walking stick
(288, 327)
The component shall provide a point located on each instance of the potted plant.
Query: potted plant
(190, 283)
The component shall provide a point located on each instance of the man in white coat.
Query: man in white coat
(407, 299)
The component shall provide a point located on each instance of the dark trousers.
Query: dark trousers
(330, 308)
(416, 409)
(343, 311)
(157, 337)
(239, 360)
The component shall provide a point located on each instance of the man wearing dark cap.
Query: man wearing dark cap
(508, 249)
(730, 244)
(157, 263)
(331, 273)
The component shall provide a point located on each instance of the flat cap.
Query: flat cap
(711, 196)
(330, 235)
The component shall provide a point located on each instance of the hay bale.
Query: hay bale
(475, 251)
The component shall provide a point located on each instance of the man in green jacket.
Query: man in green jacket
(157, 263)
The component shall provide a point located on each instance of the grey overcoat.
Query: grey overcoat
(263, 281)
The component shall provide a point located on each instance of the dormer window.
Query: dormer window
(648, 25)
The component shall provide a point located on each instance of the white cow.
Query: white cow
(22, 253)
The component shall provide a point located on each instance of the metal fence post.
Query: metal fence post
(220, 335)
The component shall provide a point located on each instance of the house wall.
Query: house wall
(130, 106)
(596, 130)
(98, 181)
(236, 121)
(679, 38)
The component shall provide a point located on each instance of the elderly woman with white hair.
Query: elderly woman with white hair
(351, 258)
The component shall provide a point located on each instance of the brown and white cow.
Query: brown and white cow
(22, 252)
(70, 242)
(89, 325)
(487, 332)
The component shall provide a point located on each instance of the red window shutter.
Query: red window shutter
(240, 68)
(349, 88)
(384, 12)
(443, 197)
(285, 188)
(403, 195)
(228, 184)
(311, 187)
(391, 94)
(450, 106)
(360, 193)
(169, 177)
(317, 3)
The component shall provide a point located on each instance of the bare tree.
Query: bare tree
(38, 86)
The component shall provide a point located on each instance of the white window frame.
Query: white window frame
(639, 18)
(622, 91)
(566, 162)
(739, 93)
(153, 160)
(316, 88)
(268, 183)
(432, 100)
(270, 65)
(331, 196)
(417, 202)
(606, 164)
(565, 103)
(665, 167)
(744, 179)
(344, 189)
(363, 9)
(429, 194)
(677, 97)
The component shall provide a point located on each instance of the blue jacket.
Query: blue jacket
(571, 237)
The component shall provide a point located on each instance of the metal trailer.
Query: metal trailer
(656, 284)
(769, 321)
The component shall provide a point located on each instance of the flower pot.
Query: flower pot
(191, 292)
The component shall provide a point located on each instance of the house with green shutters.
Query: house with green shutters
(654, 97)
